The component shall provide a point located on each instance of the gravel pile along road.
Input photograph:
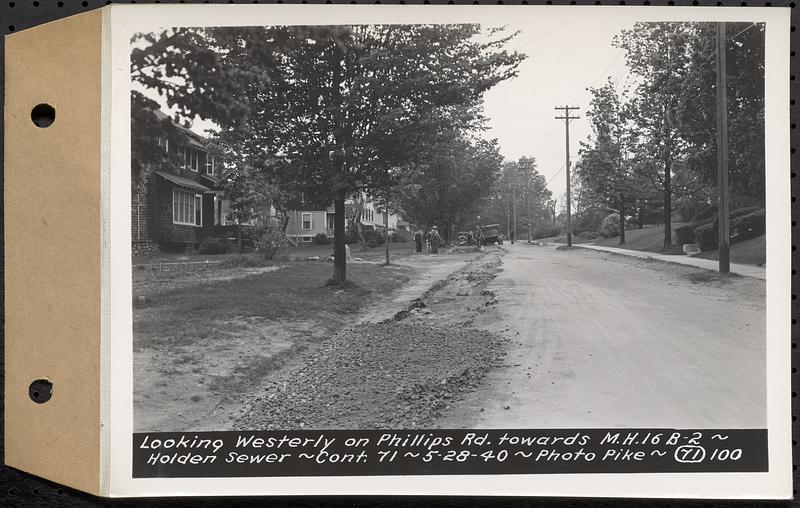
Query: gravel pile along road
(377, 375)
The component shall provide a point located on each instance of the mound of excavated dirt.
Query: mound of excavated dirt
(383, 375)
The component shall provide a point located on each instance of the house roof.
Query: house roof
(191, 137)
(183, 182)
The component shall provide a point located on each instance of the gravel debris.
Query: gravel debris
(377, 375)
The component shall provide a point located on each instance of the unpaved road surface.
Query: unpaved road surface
(602, 340)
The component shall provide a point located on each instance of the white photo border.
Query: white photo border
(122, 21)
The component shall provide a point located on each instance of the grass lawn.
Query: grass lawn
(650, 238)
(301, 252)
(204, 336)
(184, 313)
(396, 249)
(748, 252)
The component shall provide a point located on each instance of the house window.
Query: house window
(163, 142)
(307, 239)
(306, 221)
(209, 164)
(194, 160)
(181, 150)
(331, 221)
(187, 208)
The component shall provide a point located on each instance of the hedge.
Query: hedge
(321, 239)
(213, 245)
(687, 232)
(750, 225)
(742, 227)
(706, 236)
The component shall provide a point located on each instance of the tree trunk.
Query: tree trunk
(386, 225)
(239, 238)
(621, 222)
(667, 205)
(641, 217)
(339, 255)
(361, 236)
(530, 233)
(284, 221)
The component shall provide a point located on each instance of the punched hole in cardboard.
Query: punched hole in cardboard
(43, 115)
(40, 391)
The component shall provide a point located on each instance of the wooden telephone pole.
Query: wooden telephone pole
(566, 119)
(514, 194)
(724, 248)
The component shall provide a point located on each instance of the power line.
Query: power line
(540, 36)
(556, 174)
(613, 61)
(727, 40)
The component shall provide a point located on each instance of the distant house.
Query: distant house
(173, 210)
(304, 225)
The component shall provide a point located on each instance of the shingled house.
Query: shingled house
(173, 207)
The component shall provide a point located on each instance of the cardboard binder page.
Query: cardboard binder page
(459, 251)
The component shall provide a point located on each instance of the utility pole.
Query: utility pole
(724, 248)
(566, 119)
(514, 193)
(508, 217)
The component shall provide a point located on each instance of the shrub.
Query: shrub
(373, 238)
(685, 233)
(705, 236)
(321, 239)
(688, 232)
(610, 226)
(546, 232)
(351, 236)
(402, 235)
(706, 214)
(750, 225)
(213, 245)
(271, 241)
(742, 226)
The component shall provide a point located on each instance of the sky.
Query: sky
(564, 58)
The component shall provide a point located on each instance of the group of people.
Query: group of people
(432, 239)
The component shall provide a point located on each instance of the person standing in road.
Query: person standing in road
(435, 239)
(418, 240)
(512, 236)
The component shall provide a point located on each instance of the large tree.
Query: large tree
(656, 57)
(326, 101)
(673, 110)
(450, 181)
(605, 168)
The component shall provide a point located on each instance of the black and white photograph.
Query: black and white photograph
(388, 226)
(550, 222)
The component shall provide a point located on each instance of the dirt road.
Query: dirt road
(606, 340)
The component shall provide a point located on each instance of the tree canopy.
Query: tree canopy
(338, 111)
